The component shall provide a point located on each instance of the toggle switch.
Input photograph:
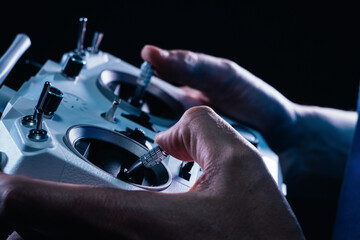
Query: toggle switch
(81, 36)
(31, 120)
(98, 36)
(110, 114)
(48, 103)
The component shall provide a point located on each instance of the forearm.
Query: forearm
(332, 127)
(316, 151)
(281, 121)
(79, 212)
(67, 211)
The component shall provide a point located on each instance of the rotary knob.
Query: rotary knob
(73, 66)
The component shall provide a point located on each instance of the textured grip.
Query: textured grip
(153, 157)
(148, 160)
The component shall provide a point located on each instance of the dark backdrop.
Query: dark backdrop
(309, 50)
(306, 49)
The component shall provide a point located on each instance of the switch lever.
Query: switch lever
(98, 36)
(110, 114)
(81, 36)
(31, 120)
(48, 103)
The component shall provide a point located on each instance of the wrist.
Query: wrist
(330, 127)
(281, 128)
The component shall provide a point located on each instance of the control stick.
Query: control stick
(148, 160)
(142, 83)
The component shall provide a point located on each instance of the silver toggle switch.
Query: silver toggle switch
(98, 36)
(81, 35)
(110, 115)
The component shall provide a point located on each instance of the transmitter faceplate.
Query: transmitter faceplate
(98, 130)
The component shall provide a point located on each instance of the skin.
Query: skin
(235, 197)
(312, 142)
(223, 204)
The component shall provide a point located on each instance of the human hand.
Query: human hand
(234, 198)
(312, 142)
(302, 136)
(229, 89)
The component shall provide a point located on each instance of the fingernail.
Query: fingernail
(163, 53)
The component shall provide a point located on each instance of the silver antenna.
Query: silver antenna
(20, 44)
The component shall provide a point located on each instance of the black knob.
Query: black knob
(73, 66)
(138, 135)
(52, 101)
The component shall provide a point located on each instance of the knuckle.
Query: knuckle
(228, 64)
(188, 58)
(197, 114)
(199, 118)
(191, 59)
(198, 110)
(231, 68)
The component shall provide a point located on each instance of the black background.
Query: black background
(308, 50)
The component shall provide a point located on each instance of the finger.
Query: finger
(203, 136)
(189, 68)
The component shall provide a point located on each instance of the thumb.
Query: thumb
(189, 68)
(202, 136)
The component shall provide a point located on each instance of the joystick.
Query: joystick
(142, 83)
(148, 160)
